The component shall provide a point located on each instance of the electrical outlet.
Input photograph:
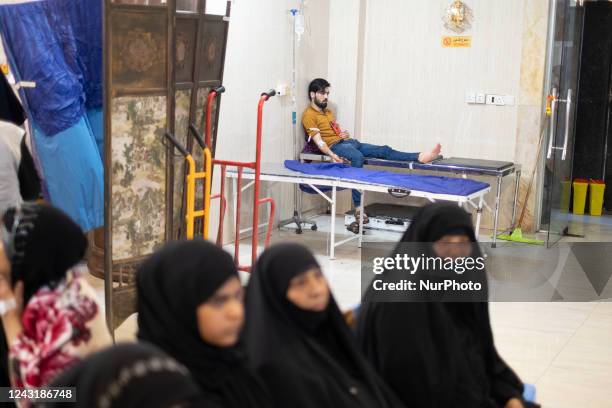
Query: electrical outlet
(470, 97)
(509, 100)
(282, 89)
(480, 98)
(493, 99)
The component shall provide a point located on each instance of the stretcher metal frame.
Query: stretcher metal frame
(278, 173)
(464, 171)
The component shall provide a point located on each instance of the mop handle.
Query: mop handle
(535, 166)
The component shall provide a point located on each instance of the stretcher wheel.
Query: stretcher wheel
(353, 227)
(298, 231)
(314, 228)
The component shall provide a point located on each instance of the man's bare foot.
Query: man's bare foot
(366, 220)
(426, 157)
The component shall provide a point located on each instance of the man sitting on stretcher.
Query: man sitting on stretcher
(321, 127)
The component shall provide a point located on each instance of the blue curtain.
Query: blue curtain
(96, 122)
(79, 188)
(58, 45)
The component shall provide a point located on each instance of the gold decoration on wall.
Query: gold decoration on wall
(458, 17)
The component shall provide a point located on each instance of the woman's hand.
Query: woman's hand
(11, 319)
(514, 403)
(8, 292)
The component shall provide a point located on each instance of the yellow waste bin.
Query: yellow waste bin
(596, 194)
(580, 192)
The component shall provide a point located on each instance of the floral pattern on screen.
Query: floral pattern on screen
(138, 175)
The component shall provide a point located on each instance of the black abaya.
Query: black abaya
(309, 359)
(437, 354)
(171, 284)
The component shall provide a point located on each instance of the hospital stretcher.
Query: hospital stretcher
(460, 166)
(277, 172)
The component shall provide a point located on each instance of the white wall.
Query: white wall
(258, 58)
(403, 89)
(414, 89)
(343, 62)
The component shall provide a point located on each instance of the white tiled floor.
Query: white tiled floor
(565, 349)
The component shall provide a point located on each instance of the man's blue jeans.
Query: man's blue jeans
(356, 152)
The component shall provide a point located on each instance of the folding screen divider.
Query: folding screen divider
(161, 59)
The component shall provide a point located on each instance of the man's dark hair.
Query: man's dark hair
(317, 85)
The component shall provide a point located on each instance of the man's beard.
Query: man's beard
(321, 105)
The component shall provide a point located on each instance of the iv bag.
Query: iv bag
(299, 26)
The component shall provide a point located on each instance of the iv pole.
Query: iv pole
(297, 196)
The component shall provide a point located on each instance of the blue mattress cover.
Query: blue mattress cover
(418, 182)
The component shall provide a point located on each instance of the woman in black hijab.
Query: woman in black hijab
(434, 352)
(190, 304)
(51, 317)
(130, 376)
(42, 243)
(298, 341)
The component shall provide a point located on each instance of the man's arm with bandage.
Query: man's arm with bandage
(316, 137)
(325, 149)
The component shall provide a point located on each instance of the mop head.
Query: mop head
(517, 236)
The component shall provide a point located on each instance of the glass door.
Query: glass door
(567, 17)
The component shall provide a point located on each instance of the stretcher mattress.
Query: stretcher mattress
(474, 163)
(418, 182)
(457, 164)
